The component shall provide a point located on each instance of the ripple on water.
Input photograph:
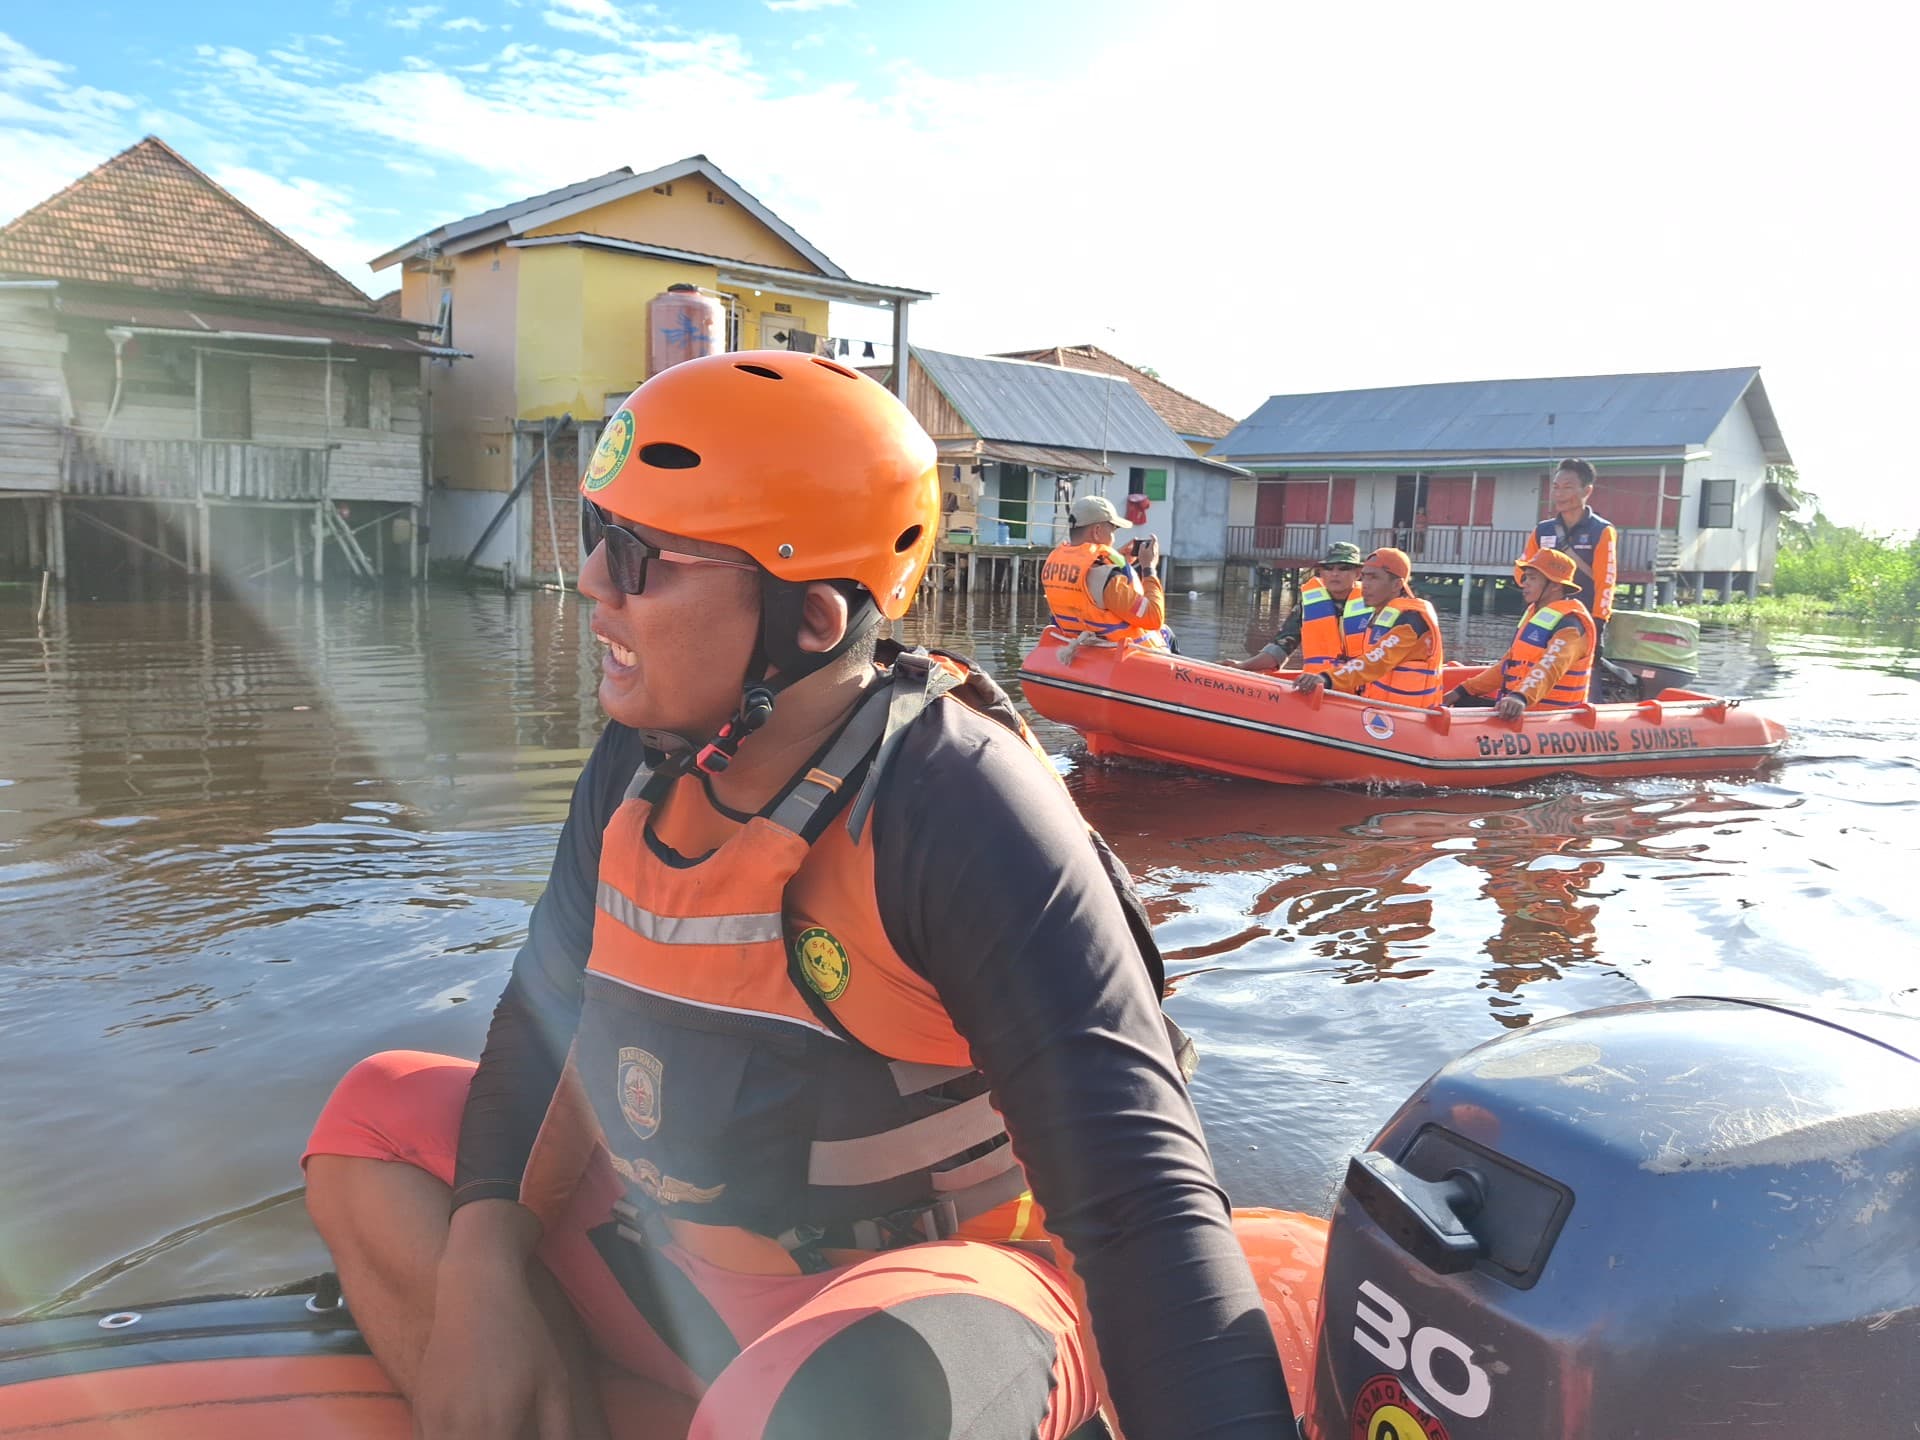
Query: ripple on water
(245, 844)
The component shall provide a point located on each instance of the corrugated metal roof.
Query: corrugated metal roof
(1039, 457)
(1051, 406)
(1658, 411)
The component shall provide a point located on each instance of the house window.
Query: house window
(359, 395)
(226, 399)
(1716, 504)
(1150, 483)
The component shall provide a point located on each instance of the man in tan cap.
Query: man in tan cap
(1551, 658)
(1404, 655)
(1093, 589)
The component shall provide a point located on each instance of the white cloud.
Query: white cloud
(802, 6)
(465, 22)
(1258, 225)
(412, 17)
(321, 217)
(811, 42)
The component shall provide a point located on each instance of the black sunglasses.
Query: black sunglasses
(628, 555)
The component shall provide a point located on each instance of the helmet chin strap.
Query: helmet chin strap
(777, 661)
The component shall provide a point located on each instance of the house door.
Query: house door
(1409, 511)
(1016, 487)
(1270, 503)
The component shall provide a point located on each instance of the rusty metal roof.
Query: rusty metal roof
(227, 324)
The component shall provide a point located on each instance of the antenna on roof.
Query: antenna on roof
(1550, 450)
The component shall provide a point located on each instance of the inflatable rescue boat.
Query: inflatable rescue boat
(1152, 705)
(1695, 1216)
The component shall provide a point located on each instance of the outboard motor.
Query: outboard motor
(1644, 654)
(1693, 1217)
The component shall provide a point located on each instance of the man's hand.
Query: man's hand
(1510, 707)
(1146, 553)
(1309, 683)
(492, 1370)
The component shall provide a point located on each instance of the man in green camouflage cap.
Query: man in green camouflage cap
(1329, 623)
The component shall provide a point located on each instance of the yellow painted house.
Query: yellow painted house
(549, 297)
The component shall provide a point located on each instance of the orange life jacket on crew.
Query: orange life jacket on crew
(1331, 630)
(1529, 649)
(759, 1058)
(1075, 580)
(1413, 681)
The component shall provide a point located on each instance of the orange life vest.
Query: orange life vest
(1529, 649)
(1413, 681)
(769, 1076)
(1330, 630)
(1075, 580)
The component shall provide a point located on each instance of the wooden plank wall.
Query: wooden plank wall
(936, 416)
(33, 393)
(289, 407)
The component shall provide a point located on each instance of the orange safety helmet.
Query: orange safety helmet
(811, 468)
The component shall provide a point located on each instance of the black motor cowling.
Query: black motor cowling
(1694, 1217)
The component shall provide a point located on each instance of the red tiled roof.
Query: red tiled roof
(388, 305)
(1184, 414)
(149, 220)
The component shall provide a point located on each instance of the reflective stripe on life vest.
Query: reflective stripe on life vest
(1529, 650)
(1329, 630)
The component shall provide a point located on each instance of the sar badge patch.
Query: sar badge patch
(608, 456)
(823, 963)
(1384, 1411)
(639, 1090)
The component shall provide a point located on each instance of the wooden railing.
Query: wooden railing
(1280, 544)
(1438, 547)
(126, 467)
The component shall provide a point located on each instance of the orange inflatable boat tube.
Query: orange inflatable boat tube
(1152, 705)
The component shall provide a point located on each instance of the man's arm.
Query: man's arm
(1275, 653)
(533, 1023)
(1606, 571)
(1533, 545)
(989, 884)
(1141, 601)
(1486, 682)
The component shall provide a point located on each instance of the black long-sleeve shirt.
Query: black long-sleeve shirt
(988, 887)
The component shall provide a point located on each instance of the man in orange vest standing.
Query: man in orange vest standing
(1330, 622)
(1404, 654)
(1092, 589)
(1551, 657)
(824, 930)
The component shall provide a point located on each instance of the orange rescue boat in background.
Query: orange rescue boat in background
(1151, 705)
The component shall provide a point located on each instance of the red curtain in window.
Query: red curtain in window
(1450, 498)
(1343, 488)
(1631, 502)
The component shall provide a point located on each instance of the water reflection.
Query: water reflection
(244, 842)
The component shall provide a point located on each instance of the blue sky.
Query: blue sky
(1253, 198)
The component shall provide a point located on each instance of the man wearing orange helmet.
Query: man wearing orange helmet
(832, 998)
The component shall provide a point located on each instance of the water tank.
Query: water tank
(683, 324)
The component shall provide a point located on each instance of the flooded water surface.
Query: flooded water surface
(245, 842)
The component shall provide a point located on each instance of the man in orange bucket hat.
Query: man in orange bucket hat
(1551, 658)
